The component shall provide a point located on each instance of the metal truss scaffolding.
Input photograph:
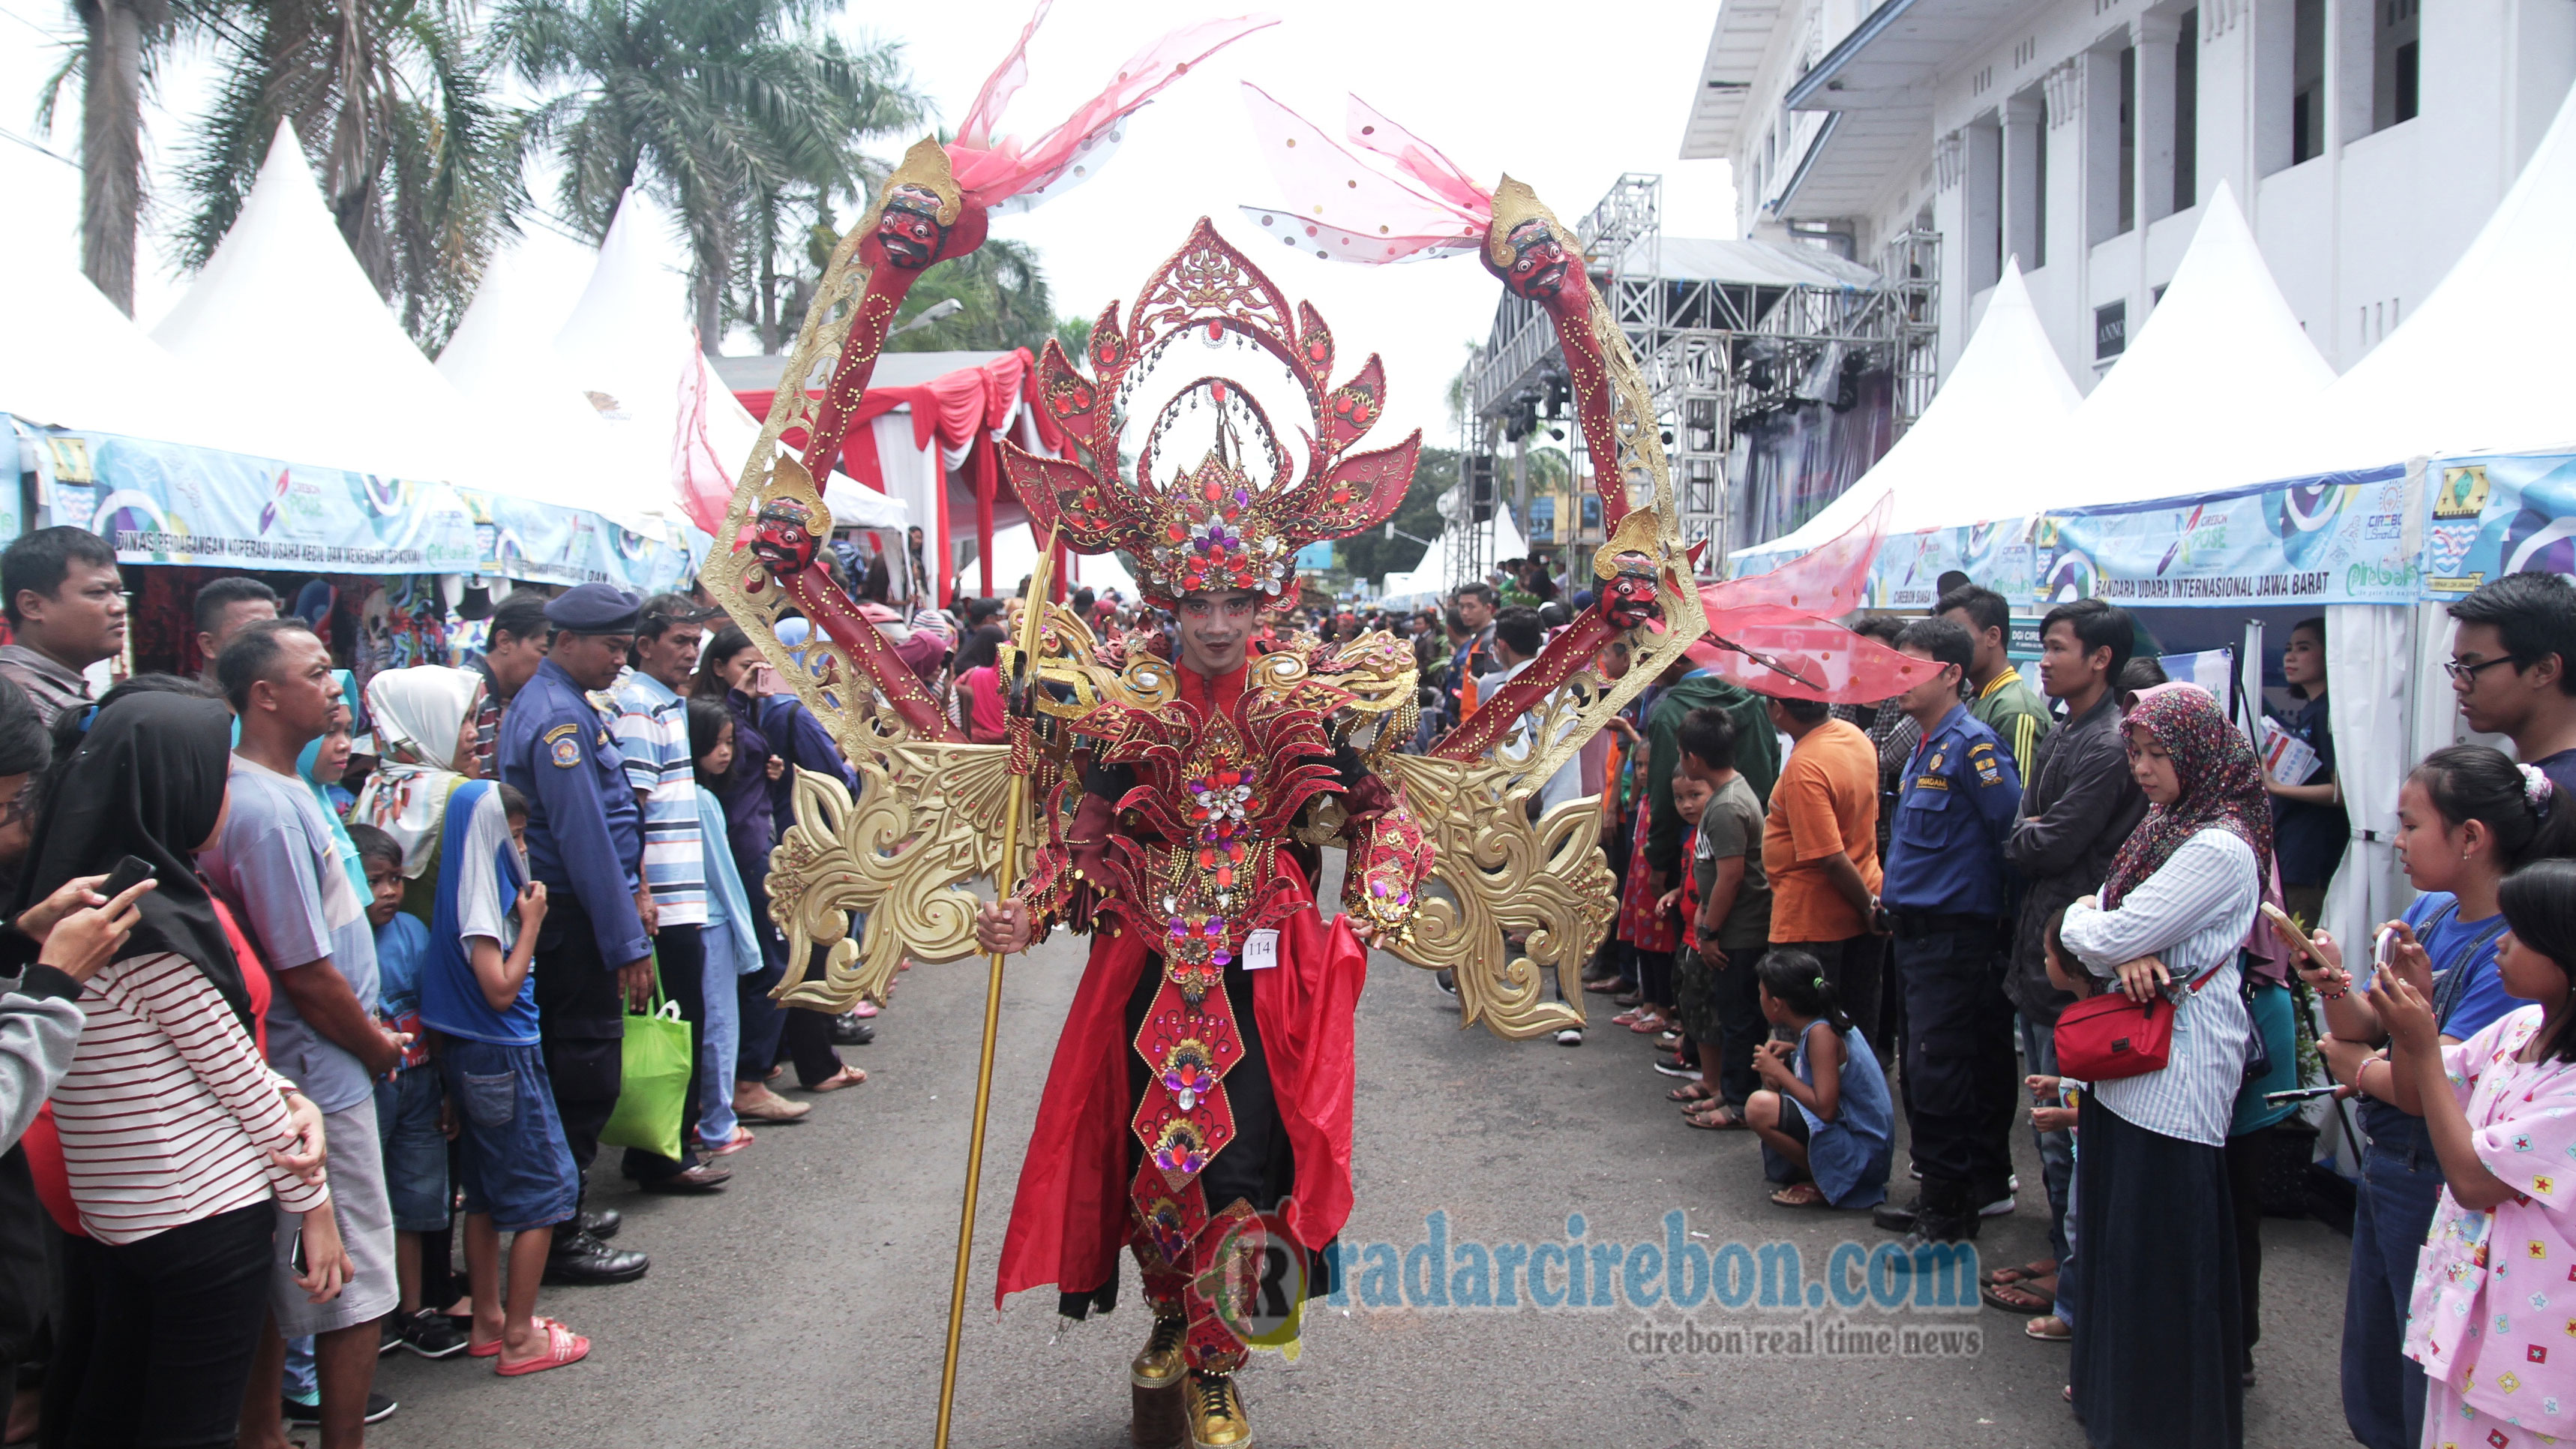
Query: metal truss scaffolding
(1721, 342)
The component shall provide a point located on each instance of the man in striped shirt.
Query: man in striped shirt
(653, 734)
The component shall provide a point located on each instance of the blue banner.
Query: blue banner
(169, 503)
(2503, 514)
(2338, 538)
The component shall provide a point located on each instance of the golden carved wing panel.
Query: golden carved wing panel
(928, 820)
(1545, 883)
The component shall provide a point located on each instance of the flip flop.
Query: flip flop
(563, 1346)
(2018, 1298)
(493, 1349)
(1801, 1195)
(2041, 1268)
(1692, 1092)
(1723, 1119)
(2063, 1333)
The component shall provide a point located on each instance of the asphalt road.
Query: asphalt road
(806, 1305)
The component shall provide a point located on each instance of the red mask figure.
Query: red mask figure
(1538, 262)
(909, 229)
(1630, 599)
(784, 537)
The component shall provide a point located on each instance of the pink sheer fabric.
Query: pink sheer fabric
(1347, 209)
(1781, 631)
(993, 169)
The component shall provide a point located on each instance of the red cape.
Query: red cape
(1069, 1219)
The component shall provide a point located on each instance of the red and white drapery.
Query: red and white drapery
(965, 412)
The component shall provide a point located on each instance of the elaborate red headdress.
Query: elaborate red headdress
(1236, 517)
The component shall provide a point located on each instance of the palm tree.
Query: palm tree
(113, 63)
(1003, 300)
(710, 104)
(393, 102)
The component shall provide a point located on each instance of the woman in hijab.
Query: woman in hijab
(322, 764)
(424, 724)
(2159, 1337)
(174, 1131)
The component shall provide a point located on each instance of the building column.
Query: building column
(2025, 127)
(2154, 35)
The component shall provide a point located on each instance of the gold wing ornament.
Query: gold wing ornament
(1517, 894)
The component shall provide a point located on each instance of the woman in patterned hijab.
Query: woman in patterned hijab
(2222, 784)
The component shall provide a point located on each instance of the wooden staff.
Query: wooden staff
(1003, 884)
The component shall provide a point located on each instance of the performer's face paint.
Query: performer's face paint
(1216, 628)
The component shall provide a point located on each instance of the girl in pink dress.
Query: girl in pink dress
(2493, 1320)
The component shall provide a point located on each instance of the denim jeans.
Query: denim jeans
(2383, 1390)
(2056, 1149)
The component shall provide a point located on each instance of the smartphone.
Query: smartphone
(297, 1256)
(130, 872)
(2384, 949)
(2298, 1094)
(2291, 933)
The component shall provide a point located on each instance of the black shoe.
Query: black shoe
(427, 1333)
(848, 1030)
(601, 1223)
(1895, 1218)
(1946, 1213)
(583, 1259)
(1674, 1066)
(380, 1407)
(1445, 981)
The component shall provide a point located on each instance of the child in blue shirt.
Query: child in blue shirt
(409, 1101)
(475, 992)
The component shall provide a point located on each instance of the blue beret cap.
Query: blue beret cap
(595, 609)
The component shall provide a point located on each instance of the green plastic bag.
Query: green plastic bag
(659, 1049)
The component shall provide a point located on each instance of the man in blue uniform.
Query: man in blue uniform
(586, 842)
(1947, 895)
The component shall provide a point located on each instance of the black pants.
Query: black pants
(1959, 1060)
(156, 1337)
(682, 954)
(772, 1032)
(1655, 978)
(1852, 968)
(581, 1021)
(2244, 1157)
(1740, 1025)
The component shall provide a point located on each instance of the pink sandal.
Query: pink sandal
(563, 1346)
(493, 1349)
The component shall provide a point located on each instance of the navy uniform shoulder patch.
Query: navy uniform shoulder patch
(564, 741)
(1990, 770)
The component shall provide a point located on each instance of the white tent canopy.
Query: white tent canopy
(2221, 361)
(1502, 539)
(283, 307)
(2005, 391)
(81, 363)
(629, 344)
(2483, 364)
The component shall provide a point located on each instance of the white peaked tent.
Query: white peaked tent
(2002, 395)
(2484, 362)
(2221, 362)
(628, 342)
(503, 357)
(283, 308)
(78, 362)
(1502, 539)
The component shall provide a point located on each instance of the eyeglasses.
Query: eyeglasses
(2468, 673)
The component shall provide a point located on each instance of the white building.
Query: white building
(2367, 141)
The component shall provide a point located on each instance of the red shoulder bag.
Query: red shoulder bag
(2104, 1038)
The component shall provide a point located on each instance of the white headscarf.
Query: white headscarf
(419, 716)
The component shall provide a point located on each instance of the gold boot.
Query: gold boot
(1216, 1413)
(1156, 1375)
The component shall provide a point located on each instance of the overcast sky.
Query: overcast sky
(1509, 87)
